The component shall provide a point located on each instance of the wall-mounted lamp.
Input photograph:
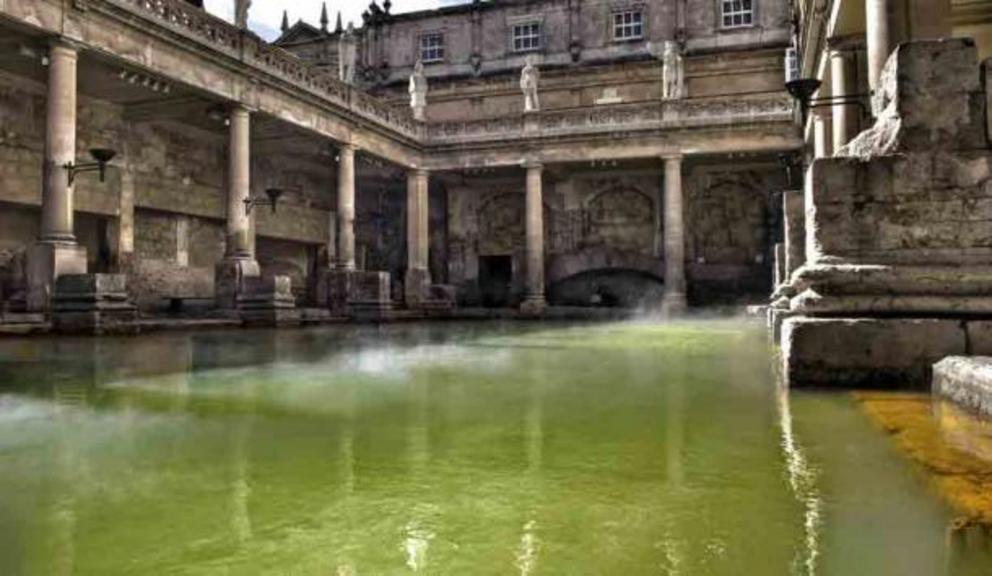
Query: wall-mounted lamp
(802, 90)
(102, 157)
(271, 198)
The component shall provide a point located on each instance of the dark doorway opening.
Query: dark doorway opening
(495, 280)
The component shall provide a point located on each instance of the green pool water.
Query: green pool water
(450, 449)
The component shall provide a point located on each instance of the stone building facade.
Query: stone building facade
(614, 192)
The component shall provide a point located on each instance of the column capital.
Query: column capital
(841, 45)
(65, 46)
(533, 164)
(346, 147)
(421, 172)
(674, 157)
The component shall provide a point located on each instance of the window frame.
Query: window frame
(751, 14)
(514, 26)
(619, 13)
(441, 49)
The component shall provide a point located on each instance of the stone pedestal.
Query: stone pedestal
(416, 288)
(359, 294)
(93, 304)
(230, 277)
(268, 301)
(896, 271)
(46, 263)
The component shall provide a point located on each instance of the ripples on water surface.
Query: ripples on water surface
(450, 449)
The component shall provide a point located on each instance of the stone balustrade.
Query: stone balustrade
(200, 26)
(655, 115)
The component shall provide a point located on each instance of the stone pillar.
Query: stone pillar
(674, 300)
(56, 252)
(60, 144)
(346, 208)
(535, 302)
(823, 144)
(845, 115)
(239, 261)
(794, 214)
(879, 39)
(418, 277)
(239, 243)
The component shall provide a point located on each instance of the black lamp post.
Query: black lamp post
(271, 198)
(102, 157)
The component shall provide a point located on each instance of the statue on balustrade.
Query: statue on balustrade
(241, 13)
(529, 79)
(673, 82)
(418, 92)
(347, 55)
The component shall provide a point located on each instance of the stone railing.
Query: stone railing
(197, 24)
(641, 116)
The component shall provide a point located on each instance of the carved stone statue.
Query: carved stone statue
(347, 55)
(418, 91)
(241, 13)
(673, 87)
(529, 80)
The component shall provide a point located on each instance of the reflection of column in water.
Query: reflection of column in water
(241, 488)
(418, 532)
(529, 547)
(62, 531)
(675, 425)
(802, 481)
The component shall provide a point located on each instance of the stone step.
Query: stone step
(967, 380)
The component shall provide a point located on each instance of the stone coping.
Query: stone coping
(967, 380)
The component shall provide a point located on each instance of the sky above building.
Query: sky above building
(265, 16)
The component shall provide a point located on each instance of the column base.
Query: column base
(673, 305)
(358, 293)
(95, 304)
(46, 262)
(230, 275)
(534, 306)
(268, 302)
(416, 288)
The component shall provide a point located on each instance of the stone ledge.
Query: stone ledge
(965, 380)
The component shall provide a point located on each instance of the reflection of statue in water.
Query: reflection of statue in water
(529, 79)
(674, 72)
(347, 55)
(241, 13)
(418, 91)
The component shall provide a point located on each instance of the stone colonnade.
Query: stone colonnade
(57, 252)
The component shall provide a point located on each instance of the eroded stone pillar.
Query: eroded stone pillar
(845, 114)
(418, 278)
(346, 208)
(535, 301)
(879, 39)
(239, 262)
(56, 252)
(674, 300)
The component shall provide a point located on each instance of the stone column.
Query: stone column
(418, 278)
(346, 208)
(56, 252)
(239, 243)
(535, 302)
(823, 144)
(60, 144)
(239, 262)
(674, 301)
(879, 39)
(845, 115)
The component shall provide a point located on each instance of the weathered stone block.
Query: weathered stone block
(949, 114)
(93, 304)
(416, 288)
(46, 263)
(229, 280)
(965, 380)
(868, 352)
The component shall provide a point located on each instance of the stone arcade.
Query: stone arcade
(643, 174)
